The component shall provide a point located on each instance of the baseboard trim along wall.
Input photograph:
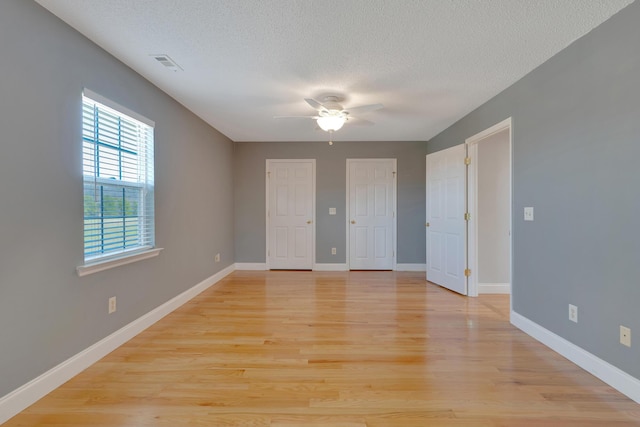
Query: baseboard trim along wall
(252, 266)
(411, 267)
(24, 396)
(261, 266)
(494, 288)
(616, 378)
(330, 267)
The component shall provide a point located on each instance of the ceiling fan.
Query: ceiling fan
(332, 115)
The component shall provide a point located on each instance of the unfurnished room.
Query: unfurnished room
(285, 213)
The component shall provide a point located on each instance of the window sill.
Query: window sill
(86, 269)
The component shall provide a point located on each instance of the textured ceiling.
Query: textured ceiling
(429, 62)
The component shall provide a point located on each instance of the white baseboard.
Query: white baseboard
(257, 266)
(616, 378)
(494, 288)
(261, 266)
(24, 396)
(330, 267)
(411, 267)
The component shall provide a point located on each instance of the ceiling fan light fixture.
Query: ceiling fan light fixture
(331, 123)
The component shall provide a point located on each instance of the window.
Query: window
(117, 166)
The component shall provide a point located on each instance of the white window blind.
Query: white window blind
(117, 164)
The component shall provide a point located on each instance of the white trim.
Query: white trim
(330, 267)
(494, 288)
(17, 400)
(105, 264)
(426, 210)
(411, 267)
(394, 230)
(267, 201)
(473, 288)
(498, 127)
(615, 377)
(251, 266)
(472, 142)
(114, 105)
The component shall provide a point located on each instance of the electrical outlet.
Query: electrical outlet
(112, 305)
(573, 313)
(625, 336)
(528, 214)
(333, 251)
(217, 258)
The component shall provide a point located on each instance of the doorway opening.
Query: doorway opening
(468, 221)
(490, 195)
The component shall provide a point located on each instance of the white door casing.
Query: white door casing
(371, 214)
(290, 209)
(472, 144)
(446, 228)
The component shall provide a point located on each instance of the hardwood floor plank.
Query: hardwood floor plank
(350, 349)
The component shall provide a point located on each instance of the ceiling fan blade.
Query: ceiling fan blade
(315, 104)
(296, 117)
(364, 108)
(356, 121)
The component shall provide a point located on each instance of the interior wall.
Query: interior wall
(575, 149)
(494, 209)
(47, 312)
(331, 164)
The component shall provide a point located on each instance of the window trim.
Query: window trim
(115, 106)
(101, 262)
(122, 258)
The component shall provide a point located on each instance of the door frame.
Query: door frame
(394, 226)
(472, 201)
(267, 182)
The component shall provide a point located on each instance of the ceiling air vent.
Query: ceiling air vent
(167, 62)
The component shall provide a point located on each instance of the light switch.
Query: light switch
(528, 214)
(332, 211)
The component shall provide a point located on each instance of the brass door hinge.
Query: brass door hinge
(467, 161)
(467, 216)
(467, 272)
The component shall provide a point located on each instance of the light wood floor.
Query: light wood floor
(333, 349)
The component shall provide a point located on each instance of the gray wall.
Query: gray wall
(250, 161)
(493, 209)
(576, 145)
(47, 312)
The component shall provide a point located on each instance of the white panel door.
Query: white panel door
(446, 225)
(290, 214)
(372, 203)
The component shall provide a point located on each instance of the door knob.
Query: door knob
(426, 224)
(353, 221)
(309, 222)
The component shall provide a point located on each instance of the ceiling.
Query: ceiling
(430, 62)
